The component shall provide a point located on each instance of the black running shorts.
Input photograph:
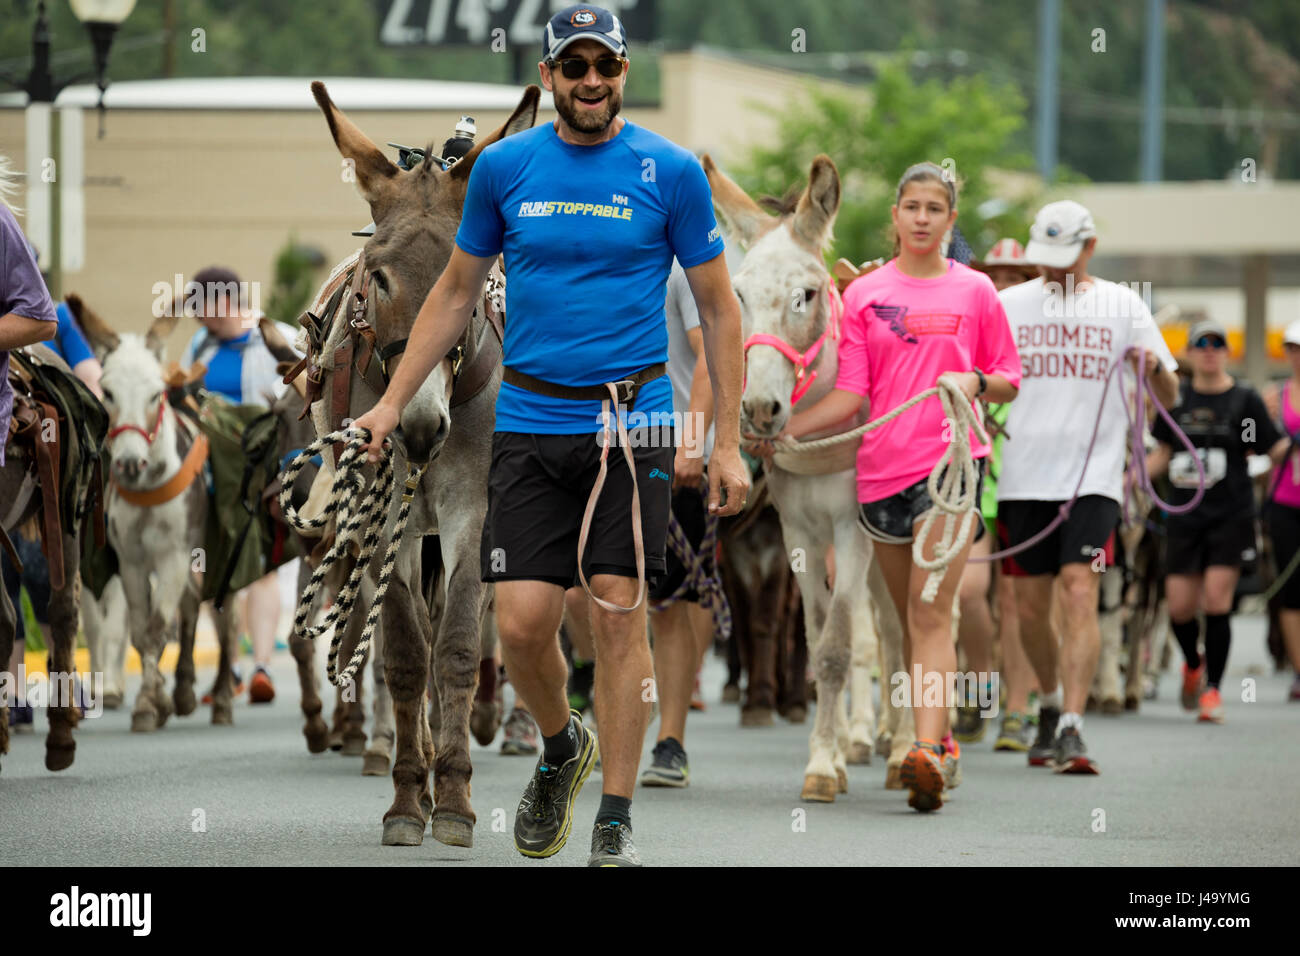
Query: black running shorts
(1090, 529)
(1195, 545)
(892, 520)
(537, 492)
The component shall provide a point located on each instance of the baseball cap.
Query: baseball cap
(1207, 327)
(1057, 236)
(1292, 334)
(1006, 253)
(583, 23)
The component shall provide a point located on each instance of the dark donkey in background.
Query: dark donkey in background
(50, 476)
(416, 215)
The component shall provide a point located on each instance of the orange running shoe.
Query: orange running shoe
(260, 688)
(1211, 707)
(1192, 683)
(923, 774)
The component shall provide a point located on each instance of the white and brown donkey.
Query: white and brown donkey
(790, 314)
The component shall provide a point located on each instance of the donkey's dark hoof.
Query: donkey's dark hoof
(144, 722)
(59, 757)
(184, 699)
(354, 745)
(336, 740)
(222, 714)
(452, 829)
(796, 714)
(374, 765)
(403, 831)
(317, 734)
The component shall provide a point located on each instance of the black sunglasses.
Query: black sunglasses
(1209, 342)
(575, 67)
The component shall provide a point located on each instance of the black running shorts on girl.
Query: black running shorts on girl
(891, 520)
(537, 492)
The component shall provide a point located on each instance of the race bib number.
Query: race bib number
(1182, 467)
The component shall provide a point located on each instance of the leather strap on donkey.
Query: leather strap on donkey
(191, 468)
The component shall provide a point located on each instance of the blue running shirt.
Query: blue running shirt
(589, 235)
(225, 373)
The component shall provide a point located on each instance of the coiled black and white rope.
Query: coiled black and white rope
(356, 510)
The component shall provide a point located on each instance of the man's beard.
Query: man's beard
(585, 120)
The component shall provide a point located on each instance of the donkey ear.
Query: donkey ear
(276, 342)
(741, 216)
(375, 172)
(159, 331)
(102, 339)
(524, 116)
(818, 205)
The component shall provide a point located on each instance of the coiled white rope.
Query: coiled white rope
(951, 489)
(355, 512)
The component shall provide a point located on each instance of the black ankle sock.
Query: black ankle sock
(1218, 635)
(564, 745)
(1187, 632)
(615, 810)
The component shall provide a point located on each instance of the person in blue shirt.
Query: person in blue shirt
(240, 367)
(73, 348)
(589, 211)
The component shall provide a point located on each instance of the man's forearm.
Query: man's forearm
(1166, 387)
(725, 358)
(18, 330)
(701, 410)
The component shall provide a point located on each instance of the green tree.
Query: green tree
(964, 124)
(295, 271)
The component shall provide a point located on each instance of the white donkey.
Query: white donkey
(156, 509)
(790, 310)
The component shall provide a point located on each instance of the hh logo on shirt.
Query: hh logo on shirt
(907, 326)
(601, 210)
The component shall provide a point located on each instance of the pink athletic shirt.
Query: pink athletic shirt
(1288, 490)
(900, 335)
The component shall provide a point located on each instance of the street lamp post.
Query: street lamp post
(102, 18)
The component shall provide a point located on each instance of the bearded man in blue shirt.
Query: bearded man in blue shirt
(589, 211)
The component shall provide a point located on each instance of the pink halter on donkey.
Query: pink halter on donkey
(803, 361)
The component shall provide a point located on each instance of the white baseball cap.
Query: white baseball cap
(1292, 334)
(1057, 236)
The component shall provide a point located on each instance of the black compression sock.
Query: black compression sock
(1187, 632)
(563, 746)
(1218, 635)
(615, 810)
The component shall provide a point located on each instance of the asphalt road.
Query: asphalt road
(1173, 793)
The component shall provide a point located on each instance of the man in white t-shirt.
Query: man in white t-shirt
(1071, 329)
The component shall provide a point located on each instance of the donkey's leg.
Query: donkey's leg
(764, 628)
(821, 782)
(60, 748)
(898, 730)
(106, 639)
(485, 714)
(183, 692)
(1108, 687)
(227, 623)
(379, 754)
(304, 654)
(456, 659)
(147, 637)
(850, 581)
(406, 669)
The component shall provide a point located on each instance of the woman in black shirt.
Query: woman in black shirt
(1226, 421)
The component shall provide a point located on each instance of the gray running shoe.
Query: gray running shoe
(611, 845)
(545, 813)
(1016, 734)
(1044, 748)
(1070, 755)
(971, 725)
(668, 767)
(521, 734)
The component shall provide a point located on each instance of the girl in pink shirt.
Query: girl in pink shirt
(918, 319)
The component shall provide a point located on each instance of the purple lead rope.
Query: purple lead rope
(1137, 468)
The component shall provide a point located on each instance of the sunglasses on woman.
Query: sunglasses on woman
(1209, 342)
(575, 67)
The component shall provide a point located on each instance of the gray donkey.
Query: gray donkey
(416, 215)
